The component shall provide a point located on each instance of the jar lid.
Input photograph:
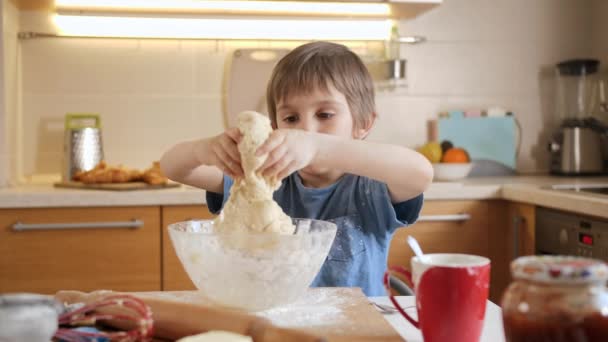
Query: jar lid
(559, 269)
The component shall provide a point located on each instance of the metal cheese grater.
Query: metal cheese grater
(82, 148)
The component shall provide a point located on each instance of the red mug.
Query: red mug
(451, 294)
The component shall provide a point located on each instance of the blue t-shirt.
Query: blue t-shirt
(361, 208)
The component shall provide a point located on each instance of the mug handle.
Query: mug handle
(408, 275)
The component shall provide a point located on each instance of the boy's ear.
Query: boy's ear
(362, 132)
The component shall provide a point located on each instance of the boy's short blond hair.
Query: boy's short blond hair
(317, 65)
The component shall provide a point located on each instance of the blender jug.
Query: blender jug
(577, 147)
(576, 88)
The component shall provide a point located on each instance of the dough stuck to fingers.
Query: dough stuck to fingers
(250, 206)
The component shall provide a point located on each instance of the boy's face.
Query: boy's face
(319, 111)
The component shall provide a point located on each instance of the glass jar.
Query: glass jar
(556, 298)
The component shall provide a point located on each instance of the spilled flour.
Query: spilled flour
(316, 309)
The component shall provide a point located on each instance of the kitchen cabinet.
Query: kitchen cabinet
(444, 227)
(497, 229)
(174, 276)
(512, 230)
(142, 258)
(51, 249)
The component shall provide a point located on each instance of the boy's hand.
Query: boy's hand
(288, 150)
(225, 153)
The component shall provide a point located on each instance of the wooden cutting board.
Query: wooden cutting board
(338, 314)
(247, 74)
(115, 186)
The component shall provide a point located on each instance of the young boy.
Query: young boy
(321, 105)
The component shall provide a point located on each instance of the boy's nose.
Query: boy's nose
(308, 125)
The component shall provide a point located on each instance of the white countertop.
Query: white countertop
(525, 189)
(46, 195)
(492, 330)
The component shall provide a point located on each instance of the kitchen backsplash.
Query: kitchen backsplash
(152, 94)
(599, 31)
(9, 96)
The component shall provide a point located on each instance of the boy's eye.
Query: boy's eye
(325, 115)
(290, 119)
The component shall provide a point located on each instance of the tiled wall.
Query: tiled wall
(3, 139)
(599, 31)
(8, 91)
(483, 53)
(154, 93)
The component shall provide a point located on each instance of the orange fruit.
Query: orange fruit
(455, 155)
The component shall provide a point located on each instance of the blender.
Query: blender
(580, 145)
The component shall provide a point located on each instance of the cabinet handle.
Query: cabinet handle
(444, 218)
(18, 226)
(517, 221)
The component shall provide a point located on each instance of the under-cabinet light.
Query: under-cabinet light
(232, 6)
(197, 28)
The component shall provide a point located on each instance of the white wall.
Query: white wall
(3, 139)
(599, 33)
(154, 93)
(483, 53)
(9, 24)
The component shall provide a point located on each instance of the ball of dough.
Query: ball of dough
(216, 336)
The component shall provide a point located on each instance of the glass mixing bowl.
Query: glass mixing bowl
(252, 271)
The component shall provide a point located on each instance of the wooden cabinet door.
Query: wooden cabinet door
(71, 255)
(444, 227)
(174, 276)
(512, 235)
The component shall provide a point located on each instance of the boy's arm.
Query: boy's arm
(181, 165)
(406, 172)
(200, 163)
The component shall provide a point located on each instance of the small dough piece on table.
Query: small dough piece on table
(216, 336)
(250, 206)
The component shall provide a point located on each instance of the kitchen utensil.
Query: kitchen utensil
(488, 141)
(385, 309)
(415, 246)
(83, 146)
(400, 287)
(248, 72)
(28, 317)
(132, 311)
(577, 146)
(252, 271)
(451, 294)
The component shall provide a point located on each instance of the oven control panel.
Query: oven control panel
(560, 232)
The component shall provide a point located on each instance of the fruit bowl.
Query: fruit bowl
(451, 171)
(252, 271)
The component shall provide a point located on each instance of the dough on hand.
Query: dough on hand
(250, 206)
(216, 336)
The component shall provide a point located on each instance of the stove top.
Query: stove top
(601, 189)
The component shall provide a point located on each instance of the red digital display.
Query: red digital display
(585, 239)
